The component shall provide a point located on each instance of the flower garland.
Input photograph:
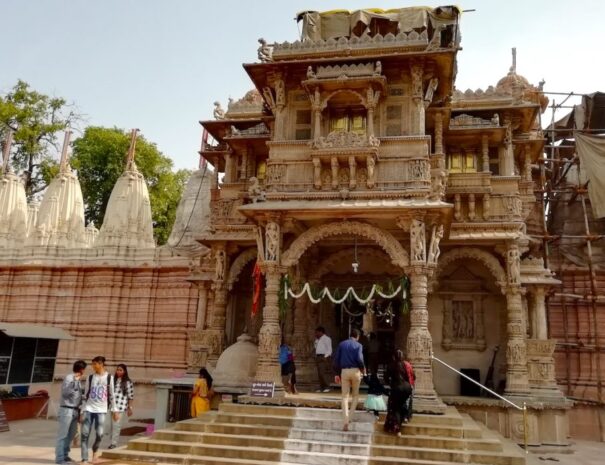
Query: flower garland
(335, 298)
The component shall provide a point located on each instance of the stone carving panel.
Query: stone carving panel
(463, 323)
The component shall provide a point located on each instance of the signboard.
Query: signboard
(263, 389)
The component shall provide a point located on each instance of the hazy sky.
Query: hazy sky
(159, 65)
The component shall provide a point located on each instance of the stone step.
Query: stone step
(303, 423)
(316, 455)
(137, 456)
(232, 433)
(452, 417)
(144, 457)
(417, 428)
(418, 440)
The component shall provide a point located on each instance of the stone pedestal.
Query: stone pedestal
(541, 369)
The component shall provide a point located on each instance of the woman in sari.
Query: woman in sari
(400, 378)
(200, 397)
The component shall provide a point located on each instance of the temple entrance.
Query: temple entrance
(384, 327)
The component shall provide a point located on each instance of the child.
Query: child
(375, 402)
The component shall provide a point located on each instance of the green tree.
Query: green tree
(36, 120)
(100, 156)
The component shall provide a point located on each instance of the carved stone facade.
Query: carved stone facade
(367, 153)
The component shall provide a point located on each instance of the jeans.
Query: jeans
(68, 423)
(99, 421)
(116, 427)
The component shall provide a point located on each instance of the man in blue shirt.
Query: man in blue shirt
(348, 361)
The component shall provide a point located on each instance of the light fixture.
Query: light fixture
(355, 263)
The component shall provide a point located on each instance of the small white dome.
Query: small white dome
(236, 367)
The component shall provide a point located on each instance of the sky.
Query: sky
(158, 65)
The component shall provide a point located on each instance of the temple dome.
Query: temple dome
(236, 367)
(60, 219)
(127, 221)
(13, 211)
(511, 80)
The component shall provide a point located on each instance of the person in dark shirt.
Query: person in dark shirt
(400, 377)
(348, 362)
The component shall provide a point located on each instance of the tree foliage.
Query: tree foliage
(100, 156)
(36, 120)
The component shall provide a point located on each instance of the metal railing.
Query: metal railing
(512, 404)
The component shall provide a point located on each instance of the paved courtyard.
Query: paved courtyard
(31, 442)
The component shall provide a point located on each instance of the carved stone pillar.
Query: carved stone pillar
(486, 207)
(302, 342)
(417, 71)
(509, 155)
(457, 207)
(471, 207)
(334, 166)
(317, 105)
(485, 153)
(352, 173)
(243, 174)
(229, 168)
(202, 306)
(269, 337)
(438, 133)
(214, 178)
(214, 335)
(516, 350)
(317, 173)
(420, 343)
(538, 312)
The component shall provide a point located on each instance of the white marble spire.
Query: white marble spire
(60, 219)
(127, 221)
(13, 204)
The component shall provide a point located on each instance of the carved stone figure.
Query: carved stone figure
(430, 91)
(280, 92)
(221, 262)
(272, 241)
(378, 68)
(265, 51)
(310, 73)
(496, 119)
(434, 251)
(370, 168)
(514, 270)
(417, 241)
(218, 111)
(254, 190)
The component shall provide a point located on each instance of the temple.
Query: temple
(354, 162)
(353, 186)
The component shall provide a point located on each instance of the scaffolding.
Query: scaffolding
(576, 309)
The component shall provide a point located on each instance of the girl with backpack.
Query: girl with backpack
(124, 395)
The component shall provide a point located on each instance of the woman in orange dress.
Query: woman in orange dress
(200, 397)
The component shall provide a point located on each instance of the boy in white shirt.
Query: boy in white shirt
(98, 401)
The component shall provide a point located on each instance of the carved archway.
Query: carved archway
(238, 265)
(388, 242)
(485, 258)
(328, 264)
(361, 98)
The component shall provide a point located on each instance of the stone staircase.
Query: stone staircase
(272, 435)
